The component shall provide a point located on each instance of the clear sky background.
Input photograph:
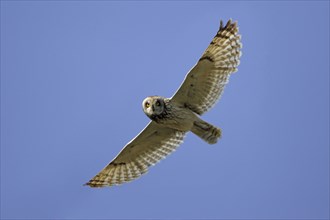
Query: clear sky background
(74, 74)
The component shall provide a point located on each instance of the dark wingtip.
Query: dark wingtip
(221, 24)
(92, 185)
(229, 25)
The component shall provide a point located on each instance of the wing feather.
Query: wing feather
(153, 144)
(205, 82)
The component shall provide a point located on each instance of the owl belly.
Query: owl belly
(178, 118)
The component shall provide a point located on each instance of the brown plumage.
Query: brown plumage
(173, 117)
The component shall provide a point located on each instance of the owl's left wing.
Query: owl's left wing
(153, 144)
(206, 81)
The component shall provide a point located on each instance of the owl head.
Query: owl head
(153, 106)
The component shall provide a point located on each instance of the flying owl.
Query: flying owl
(171, 118)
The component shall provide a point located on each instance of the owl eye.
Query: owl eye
(157, 103)
(147, 104)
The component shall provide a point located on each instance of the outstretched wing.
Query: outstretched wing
(153, 144)
(205, 82)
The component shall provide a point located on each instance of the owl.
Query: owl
(171, 118)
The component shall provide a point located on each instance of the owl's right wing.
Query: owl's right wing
(153, 144)
(206, 81)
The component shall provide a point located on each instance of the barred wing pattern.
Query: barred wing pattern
(153, 144)
(206, 81)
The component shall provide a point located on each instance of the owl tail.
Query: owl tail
(206, 131)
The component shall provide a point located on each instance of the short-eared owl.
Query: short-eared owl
(172, 118)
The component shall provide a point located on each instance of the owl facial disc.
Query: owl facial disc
(153, 106)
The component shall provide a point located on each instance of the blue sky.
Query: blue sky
(74, 74)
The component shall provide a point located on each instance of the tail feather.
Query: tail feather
(206, 131)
